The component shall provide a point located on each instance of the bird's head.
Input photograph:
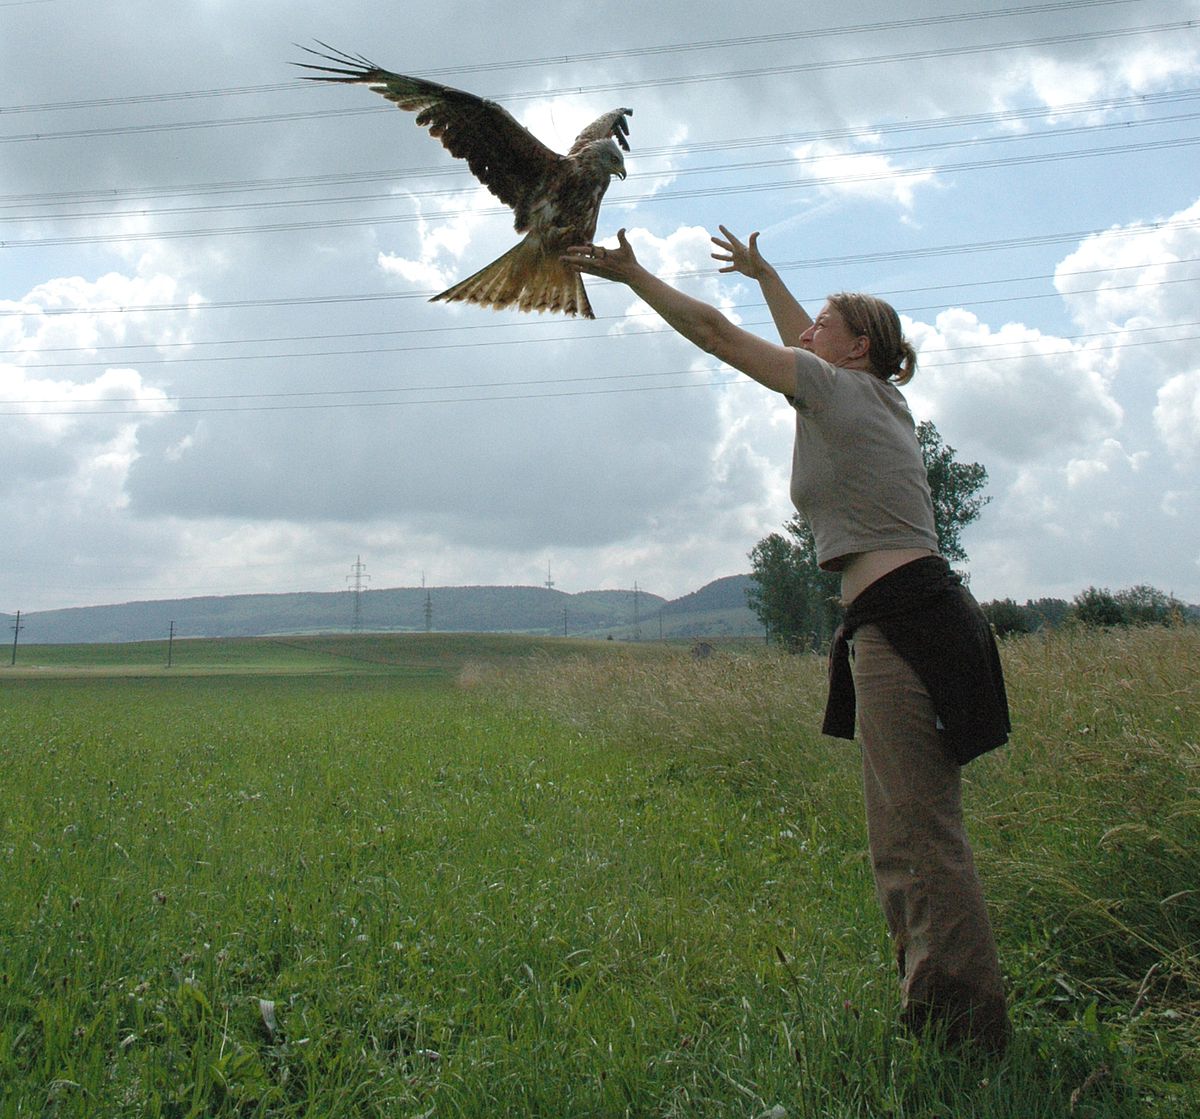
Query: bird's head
(616, 160)
(606, 157)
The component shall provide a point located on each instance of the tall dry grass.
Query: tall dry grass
(748, 716)
(1092, 816)
(1086, 825)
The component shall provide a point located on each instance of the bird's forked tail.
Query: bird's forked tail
(527, 278)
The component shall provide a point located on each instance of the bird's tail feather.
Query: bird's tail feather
(527, 278)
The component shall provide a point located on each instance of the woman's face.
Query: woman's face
(831, 339)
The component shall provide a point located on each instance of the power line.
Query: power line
(243, 358)
(815, 65)
(953, 249)
(472, 399)
(540, 324)
(447, 169)
(910, 310)
(1124, 127)
(787, 265)
(598, 56)
(228, 404)
(440, 387)
(659, 196)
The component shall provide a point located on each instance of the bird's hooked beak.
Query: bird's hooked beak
(620, 173)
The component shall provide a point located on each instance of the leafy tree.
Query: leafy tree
(1006, 617)
(797, 602)
(1048, 612)
(1135, 606)
(794, 599)
(778, 594)
(1148, 606)
(1098, 607)
(954, 487)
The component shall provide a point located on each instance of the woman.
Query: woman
(915, 661)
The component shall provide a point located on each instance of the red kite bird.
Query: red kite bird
(555, 198)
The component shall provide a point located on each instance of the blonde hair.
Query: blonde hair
(890, 354)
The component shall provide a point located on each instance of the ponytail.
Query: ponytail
(891, 356)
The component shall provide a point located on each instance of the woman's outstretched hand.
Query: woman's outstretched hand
(617, 264)
(739, 257)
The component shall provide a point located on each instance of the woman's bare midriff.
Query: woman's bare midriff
(864, 568)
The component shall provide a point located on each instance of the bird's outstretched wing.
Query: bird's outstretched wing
(612, 123)
(555, 198)
(501, 152)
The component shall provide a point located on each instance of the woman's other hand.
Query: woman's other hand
(739, 257)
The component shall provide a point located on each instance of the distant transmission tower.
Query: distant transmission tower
(549, 584)
(356, 579)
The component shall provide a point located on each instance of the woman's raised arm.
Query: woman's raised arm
(700, 323)
(791, 320)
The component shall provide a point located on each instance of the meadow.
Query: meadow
(435, 876)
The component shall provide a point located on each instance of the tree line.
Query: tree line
(799, 605)
(1096, 608)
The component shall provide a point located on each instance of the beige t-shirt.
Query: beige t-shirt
(858, 477)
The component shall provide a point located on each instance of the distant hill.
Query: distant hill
(718, 609)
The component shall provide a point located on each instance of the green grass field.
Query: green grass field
(454, 876)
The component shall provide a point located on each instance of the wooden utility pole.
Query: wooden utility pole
(17, 627)
(171, 646)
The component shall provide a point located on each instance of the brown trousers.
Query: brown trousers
(925, 875)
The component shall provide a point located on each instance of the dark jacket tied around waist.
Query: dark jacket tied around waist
(934, 623)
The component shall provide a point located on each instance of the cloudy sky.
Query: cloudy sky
(220, 372)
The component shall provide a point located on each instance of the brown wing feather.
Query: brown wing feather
(612, 123)
(501, 152)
